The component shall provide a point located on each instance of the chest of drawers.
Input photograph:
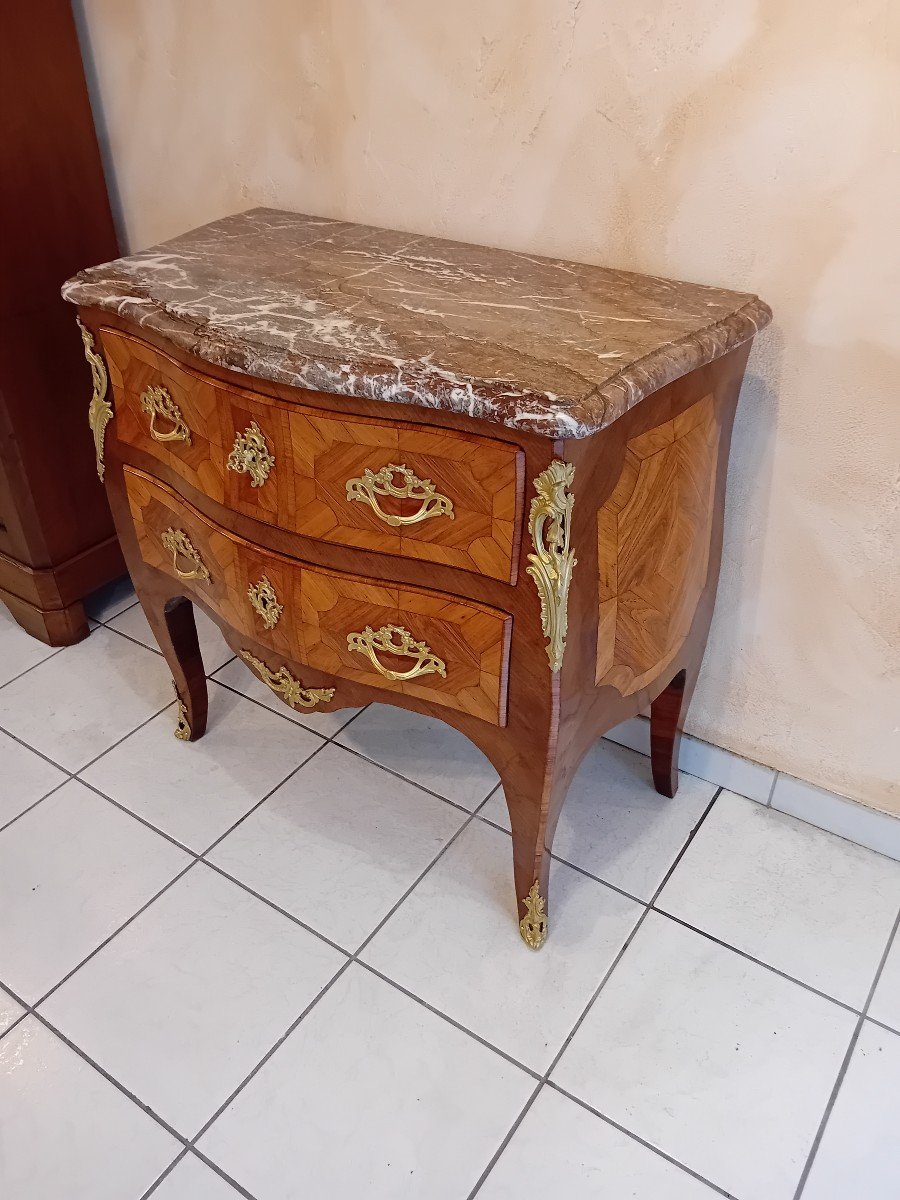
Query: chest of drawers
(480, 485)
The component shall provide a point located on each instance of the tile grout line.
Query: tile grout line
(35, 803)
(775, 776)
(53, 653)
(882, 1025)
(350, 959)
(405, 779)
(566, 862)
(354, 957)
(637, 1138)
(34, 750)
(165, 1173)
(31, 1009)
(590, 1004)
(710, 937)
(109, 938)
(687, 925)
(838, 1083)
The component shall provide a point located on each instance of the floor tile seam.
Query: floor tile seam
(123, 808)
(233, 1095)
(405, 779)
(685, 846)
(882, 1025)
(21, 1017)
(845, 1063)
(636, 1137)
(115, 933)
(608, 974)
(34, 750)
(350, 959)
(117, 613)
(186, 1142)
(214, 1166)
(510, 1134)
(158, 713)
(559, 858)
(544, 1077)
(745, 954)
(775, 775)
(273, 712)
(165, 1173)
(276, 907)
(35, 803)
(134, 641)
(454, 837)
(85, 1057)
(259, 803)
(352, 955)
(448, 1020)
(155, 649)
(385, 978)
(169, 837)
(53, 653)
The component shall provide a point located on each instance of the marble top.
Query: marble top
(558, 348)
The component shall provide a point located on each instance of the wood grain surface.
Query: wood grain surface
(316, 454)
(653, 547)
(323, 608)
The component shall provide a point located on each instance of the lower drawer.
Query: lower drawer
(449, 651)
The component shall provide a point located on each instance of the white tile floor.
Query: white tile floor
(283, 962)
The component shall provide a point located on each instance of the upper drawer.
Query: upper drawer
(381, 485)
(449, 651)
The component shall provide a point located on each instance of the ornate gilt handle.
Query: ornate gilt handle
(283, 684)
(179, 545)
(394, 639)
(372, 484)
(159, 405)
(250, 455)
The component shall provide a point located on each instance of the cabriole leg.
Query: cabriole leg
(533, 800)
(667, 713)
(175, 631)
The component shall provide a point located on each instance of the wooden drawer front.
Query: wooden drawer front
(322, 610)
(330, 476)
(465, 491)
(212, 417)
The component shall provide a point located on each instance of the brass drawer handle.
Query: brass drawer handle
(264, 602)
(286, 686)
(394, 639)
(179, 545)
(373, 484)
(159, 405)
(250, 455)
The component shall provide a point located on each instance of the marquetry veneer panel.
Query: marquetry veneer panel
(315, 454)
(321, 608)
(653, 547)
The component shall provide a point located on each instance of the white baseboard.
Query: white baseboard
(826, 810)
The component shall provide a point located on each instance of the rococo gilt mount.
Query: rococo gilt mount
(295, 416)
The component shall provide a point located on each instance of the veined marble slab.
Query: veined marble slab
(558, 348)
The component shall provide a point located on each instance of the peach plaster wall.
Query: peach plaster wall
(752, 144)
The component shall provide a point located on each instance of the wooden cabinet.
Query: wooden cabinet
(513, 529)
(57, 541)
